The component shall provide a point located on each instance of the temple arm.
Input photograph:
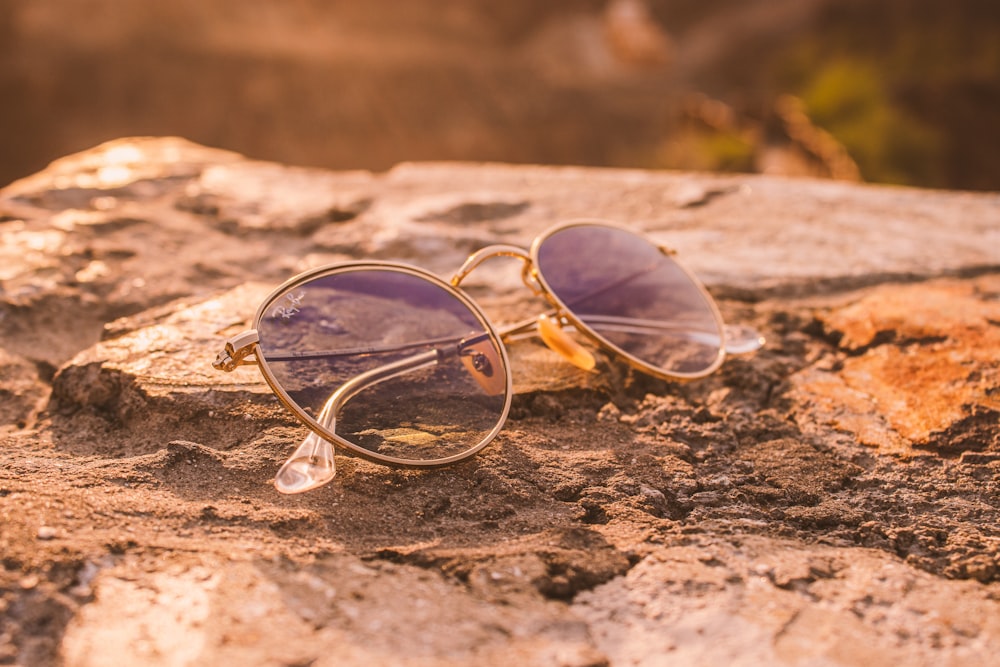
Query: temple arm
(739, 339)
(311, 465)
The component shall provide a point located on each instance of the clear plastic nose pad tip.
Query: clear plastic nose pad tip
(742, 339)
(311, 466)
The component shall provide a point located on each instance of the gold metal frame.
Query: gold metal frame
(239, 348)
(599, 340)
(315, 425)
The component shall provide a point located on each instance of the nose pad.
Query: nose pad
(551, 331)
(483, 363)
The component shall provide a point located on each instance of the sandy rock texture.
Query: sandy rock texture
(830, 500)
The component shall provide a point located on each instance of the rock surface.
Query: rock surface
(832, 499)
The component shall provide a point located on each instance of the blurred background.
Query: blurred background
(892, 91)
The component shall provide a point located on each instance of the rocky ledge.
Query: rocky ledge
(831, 499)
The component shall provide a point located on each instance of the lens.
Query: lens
(628, 294)
(395, 363)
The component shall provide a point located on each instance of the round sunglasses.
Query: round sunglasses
(396, 365)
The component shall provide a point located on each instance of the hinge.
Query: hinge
(237, 349)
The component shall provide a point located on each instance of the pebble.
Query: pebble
(46, 533)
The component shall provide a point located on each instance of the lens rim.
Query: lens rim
(599, 340)
(325, 433)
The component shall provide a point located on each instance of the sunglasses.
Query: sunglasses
(400, 367)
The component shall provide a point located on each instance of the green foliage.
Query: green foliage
(849, 98)
(729, 151)
(706, 150)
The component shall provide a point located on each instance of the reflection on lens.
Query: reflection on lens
(633, 298)
(389, 359)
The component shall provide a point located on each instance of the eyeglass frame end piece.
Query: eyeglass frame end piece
(236, 351)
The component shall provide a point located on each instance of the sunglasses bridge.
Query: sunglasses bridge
(528, 273)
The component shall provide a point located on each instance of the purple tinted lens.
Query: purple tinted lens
(391, 361)
(632, 297)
